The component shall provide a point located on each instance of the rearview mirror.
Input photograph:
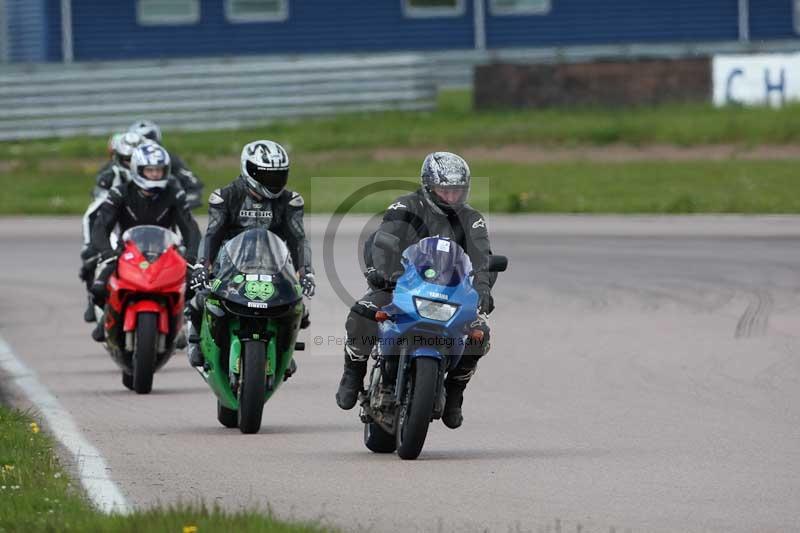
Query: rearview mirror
(387, 242)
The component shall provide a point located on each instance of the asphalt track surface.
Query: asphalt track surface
(644, 376)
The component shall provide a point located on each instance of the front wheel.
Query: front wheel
(252, 386)
(415, 413)
(144, 352)
(377, 440)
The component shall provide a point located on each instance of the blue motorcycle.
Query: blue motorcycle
(422, 336)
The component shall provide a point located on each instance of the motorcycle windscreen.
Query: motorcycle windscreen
(255, 251)
(438, 261)
(152, 241)
(255, 269)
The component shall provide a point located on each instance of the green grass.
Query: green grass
(454, 124)
(569, 187)
(55, 176)
(36, 494)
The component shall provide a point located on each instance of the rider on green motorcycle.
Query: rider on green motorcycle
(257, 198)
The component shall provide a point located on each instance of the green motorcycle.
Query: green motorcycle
(250, 324)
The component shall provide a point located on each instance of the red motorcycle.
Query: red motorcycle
(144, 311)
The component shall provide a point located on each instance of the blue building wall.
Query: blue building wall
(34, 30)
(574, 22)
(108, 29)
(772, 19)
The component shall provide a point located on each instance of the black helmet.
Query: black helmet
(445, 181)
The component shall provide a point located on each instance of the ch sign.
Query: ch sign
(764, 79)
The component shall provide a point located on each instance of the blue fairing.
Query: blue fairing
(449, 268)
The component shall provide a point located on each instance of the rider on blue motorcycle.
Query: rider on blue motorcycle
(438, 208)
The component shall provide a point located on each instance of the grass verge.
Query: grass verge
(36, 494)
(454, 124)
(54, 176)
(731, 186)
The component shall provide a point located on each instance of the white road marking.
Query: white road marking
(92, 468)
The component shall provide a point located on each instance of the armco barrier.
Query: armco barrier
(98, 98)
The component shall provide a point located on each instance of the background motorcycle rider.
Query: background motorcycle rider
(257, 198)
(190, 183)
(114, 173)
(149, 198)
(438, 208)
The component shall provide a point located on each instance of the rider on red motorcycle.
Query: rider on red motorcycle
(149, 198)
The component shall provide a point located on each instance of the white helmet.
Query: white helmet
(148, 129)
(146, 156)
(124, 146)
(265, 168)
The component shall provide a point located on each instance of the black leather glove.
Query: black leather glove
(485, 300)
(308, 284)
(198, 277)
(377, 279)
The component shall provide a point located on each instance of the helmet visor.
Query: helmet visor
(273, 180)
(451, 195)
(153, 172)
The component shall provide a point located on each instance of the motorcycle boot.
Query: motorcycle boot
(454, 386)
(88, 313)
(352, 381)
(452, 415)
(194, 352)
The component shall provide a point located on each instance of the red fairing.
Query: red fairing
(145, 306)
(140, 286)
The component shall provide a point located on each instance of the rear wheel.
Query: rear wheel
(227, 417)
(144, 352)
(378, 440)
(127, 380)
(415, 413)
(252, 387)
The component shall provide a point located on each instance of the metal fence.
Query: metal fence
(98, 98)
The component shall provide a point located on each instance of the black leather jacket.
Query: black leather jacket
(412, 218)
(234, 209)
(127, 206)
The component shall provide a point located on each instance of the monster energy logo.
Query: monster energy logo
(259, 290)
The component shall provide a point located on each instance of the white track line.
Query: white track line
(92, 468)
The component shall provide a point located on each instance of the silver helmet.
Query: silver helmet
(124, 146)
(445, 181)
(148, 129)
(265, 168)
(145, 158)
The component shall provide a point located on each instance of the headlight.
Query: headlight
(435, 310)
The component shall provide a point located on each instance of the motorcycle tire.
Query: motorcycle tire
(414, 416)
(252, 387)
(144, 352)
(227, 417)
(377, 440)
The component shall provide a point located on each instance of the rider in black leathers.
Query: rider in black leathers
(149, 198)
(257, 198)
(190, 183)
(438, 208)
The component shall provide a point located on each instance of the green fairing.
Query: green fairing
(216, 379)
(219, 381)
(235, 351)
